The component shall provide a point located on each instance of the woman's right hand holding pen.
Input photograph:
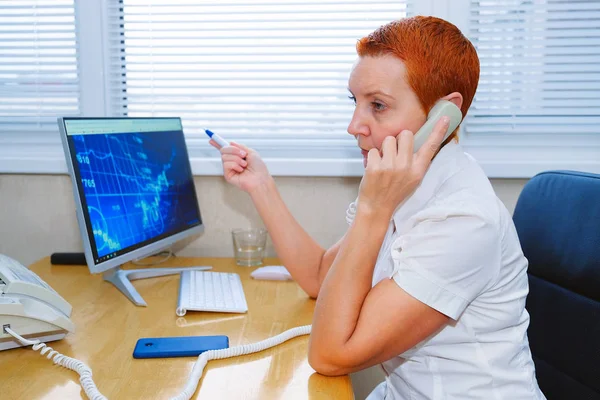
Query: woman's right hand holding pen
(242, 166)
(306, 260)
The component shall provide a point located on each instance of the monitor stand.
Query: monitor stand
(122, 278)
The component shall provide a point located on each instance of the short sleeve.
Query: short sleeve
(446, 259)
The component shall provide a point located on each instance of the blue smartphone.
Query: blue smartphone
(183, 346)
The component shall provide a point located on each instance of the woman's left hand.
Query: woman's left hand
(392, 176)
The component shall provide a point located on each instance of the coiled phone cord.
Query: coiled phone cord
(85, 373)
(192, 384)
(351, 212)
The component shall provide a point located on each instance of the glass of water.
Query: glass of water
(249, 246)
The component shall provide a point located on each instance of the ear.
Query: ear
(454, 97)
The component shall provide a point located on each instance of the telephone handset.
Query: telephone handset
(29, 306)
(440, 109)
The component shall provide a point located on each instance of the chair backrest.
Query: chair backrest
(557, 218)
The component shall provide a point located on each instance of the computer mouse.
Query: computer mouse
(271, 273)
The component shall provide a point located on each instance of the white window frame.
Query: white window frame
(500, 156)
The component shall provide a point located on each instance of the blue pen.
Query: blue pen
(218, 139)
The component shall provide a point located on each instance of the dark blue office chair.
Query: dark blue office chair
(557, 218)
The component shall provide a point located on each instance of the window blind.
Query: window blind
(243, 68)
(38, 67)
(540, 67)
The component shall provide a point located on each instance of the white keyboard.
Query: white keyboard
(211, 291)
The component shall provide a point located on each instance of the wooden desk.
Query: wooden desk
(108, 326)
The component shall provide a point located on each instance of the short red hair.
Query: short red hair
(439, 59)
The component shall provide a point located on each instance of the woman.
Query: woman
(429, 280)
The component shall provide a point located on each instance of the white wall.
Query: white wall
(37, 212)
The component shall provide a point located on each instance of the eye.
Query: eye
(377, 106)
(353, 99)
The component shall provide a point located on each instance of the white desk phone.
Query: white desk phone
(30, 307)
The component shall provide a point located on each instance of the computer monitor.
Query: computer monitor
(134, 192)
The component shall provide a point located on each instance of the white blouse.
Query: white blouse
(453, 246)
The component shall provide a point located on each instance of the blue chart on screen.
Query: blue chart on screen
(137, 187)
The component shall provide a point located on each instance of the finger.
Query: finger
(433, 143)
(248, 150)
(233, 166)
(235, 151)
(405, 146)
(373, 158)
(389, 149)
(233, 158)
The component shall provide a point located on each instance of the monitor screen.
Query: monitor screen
(134, 185)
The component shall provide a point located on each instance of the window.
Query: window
(272, 74)
(537, 106)
(38, 70)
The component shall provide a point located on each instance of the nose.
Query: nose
(358, 125)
